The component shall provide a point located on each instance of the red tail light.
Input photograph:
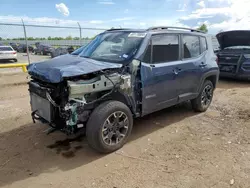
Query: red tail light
(217, 60)
(13, 52)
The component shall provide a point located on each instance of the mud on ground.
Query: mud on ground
(171, 148)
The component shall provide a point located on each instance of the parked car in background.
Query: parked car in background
(23, 49)
(234, 54)
(59, 51)
(14, 45)
(70, 49)
(120, 75)
(43, 49)
(8, 53)
(78, 50)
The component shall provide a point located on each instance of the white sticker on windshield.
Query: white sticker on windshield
(138, 35)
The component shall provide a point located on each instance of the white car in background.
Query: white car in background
(8, 53)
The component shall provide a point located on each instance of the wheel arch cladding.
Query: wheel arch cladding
(213, 79)
(123, 98)
(213, 76)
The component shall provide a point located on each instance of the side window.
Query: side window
(165, 49)
(191, 46)
(203, 44)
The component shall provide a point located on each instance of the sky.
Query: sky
(219, 15)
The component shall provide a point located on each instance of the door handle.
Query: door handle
(152, 65)
(203, 64)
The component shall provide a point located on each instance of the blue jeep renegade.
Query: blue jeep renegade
(123, 74)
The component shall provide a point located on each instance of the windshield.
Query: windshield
(238, 47)
(114, 47)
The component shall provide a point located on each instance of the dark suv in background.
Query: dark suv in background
(61, 51)
(43, 49)
(123, 74)
(14, 45)
(23, 48)
(234, 54)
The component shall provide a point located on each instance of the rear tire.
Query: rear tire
(109, 126)
(204, 99)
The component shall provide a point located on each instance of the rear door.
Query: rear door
(190, 70)
(158, 73)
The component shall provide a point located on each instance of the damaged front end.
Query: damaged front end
(65, 90)
(67, 105)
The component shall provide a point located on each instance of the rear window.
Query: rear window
(5, 48)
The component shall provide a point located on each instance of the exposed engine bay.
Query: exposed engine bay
(67, 105)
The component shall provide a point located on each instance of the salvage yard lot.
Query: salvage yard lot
(171, 148)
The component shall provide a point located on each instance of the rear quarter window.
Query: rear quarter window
(203, 44)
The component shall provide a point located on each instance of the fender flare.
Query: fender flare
(126, 99)
(205, 76)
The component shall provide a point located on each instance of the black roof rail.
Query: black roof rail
(171, 27)
(113, 29)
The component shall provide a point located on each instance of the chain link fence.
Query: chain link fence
(25, 38)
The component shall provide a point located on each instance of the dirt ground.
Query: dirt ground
(171, 148)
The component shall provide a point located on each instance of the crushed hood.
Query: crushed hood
(233, 38)
(54, 70)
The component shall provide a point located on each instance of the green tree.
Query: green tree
(1, 38)
(49, 38)
(203, 28)
(68, 37)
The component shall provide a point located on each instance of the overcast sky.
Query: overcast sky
(217, 14)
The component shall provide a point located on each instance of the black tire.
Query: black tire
(15, 60)
(96, 124)
(198, 103)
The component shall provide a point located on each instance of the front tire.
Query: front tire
(204, 99)
(109, 126)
